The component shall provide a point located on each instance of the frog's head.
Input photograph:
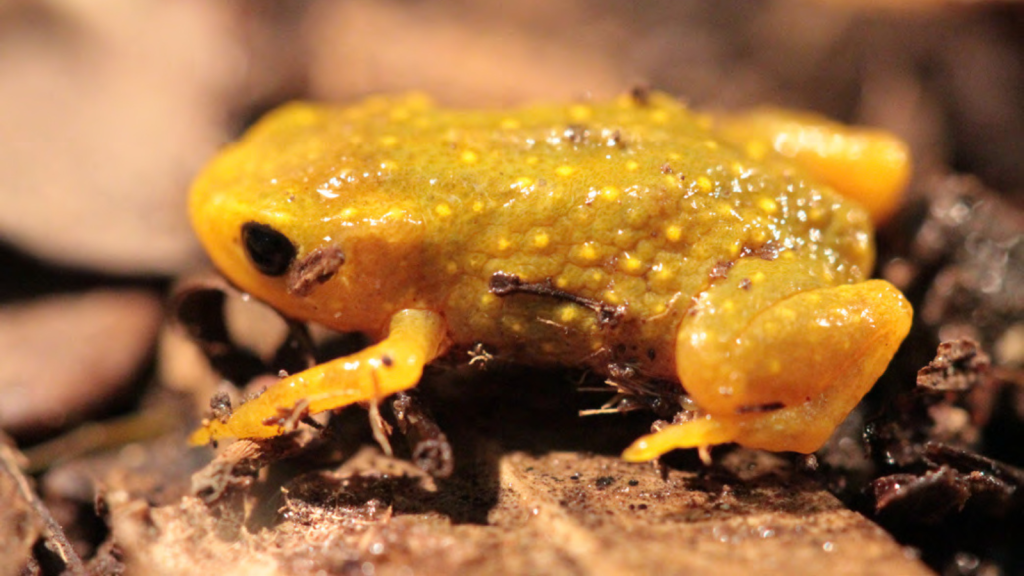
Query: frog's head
(341, 256)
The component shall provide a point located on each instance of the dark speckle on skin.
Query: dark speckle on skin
(720, 270)
(641, 95)
(767, 251)
(317, 267)
(576, 134)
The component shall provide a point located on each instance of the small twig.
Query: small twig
(599, 411)
(480, 356)
(504, 284)
(431, 451)
(114, 433)
(9, 463)
(704, 452)
(377, 423)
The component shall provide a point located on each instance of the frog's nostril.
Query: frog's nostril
(269, 250)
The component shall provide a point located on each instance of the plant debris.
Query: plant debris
(947, 473)
(379, 514)
(24, 517)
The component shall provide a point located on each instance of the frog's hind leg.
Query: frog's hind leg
(415, 338)
(776, 362)
(868, 165)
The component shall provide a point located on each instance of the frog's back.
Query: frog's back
(629, 206)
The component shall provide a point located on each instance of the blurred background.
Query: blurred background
(108, 110)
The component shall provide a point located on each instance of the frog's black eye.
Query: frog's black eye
(269, 250)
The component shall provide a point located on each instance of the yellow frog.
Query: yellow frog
(712, 251)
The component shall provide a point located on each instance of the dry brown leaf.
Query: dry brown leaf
(489, 53)
(106, 111)
(63, 356)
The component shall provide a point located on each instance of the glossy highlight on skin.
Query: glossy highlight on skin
(630, 233)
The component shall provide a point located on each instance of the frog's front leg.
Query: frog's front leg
(414, 339)
(777, 360)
